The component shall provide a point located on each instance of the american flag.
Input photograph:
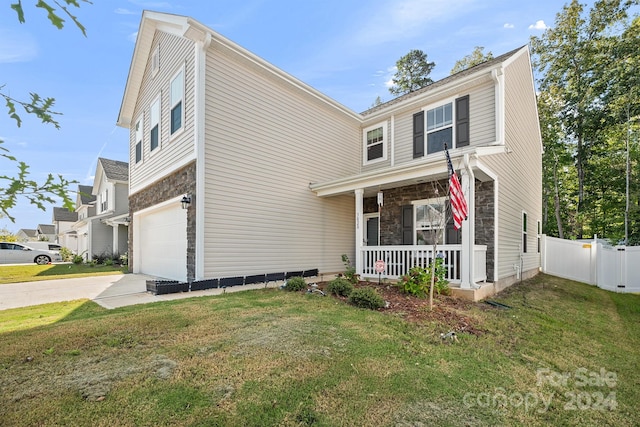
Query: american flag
(458, 203)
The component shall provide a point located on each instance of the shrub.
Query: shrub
(340, 286)
(418, 280)
(124, 259)
(108, 262)
(77, 259)
(350, 271)
(295, 284)
(66, 254)
(366, 298)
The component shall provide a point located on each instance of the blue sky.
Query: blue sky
(344, 48)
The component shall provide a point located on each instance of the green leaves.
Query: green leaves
(413, 73)
(38, 106)
(53, 189)
(589, 87)
(55, 19)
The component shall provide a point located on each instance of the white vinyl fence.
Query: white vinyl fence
(613, 268)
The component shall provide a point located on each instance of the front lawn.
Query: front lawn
(34, 272)
(565, 353)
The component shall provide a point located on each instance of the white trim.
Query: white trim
(366, 217)
(384, 142)
(172, 104)
(392, 140)
(499, 94)
(200, 67)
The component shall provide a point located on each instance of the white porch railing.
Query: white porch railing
(400, 259)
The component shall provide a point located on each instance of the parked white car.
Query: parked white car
(16, 253)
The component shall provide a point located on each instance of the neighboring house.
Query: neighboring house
(63, 220)
(27, 235)
(283, 178)
(102, 210)
(46, 232)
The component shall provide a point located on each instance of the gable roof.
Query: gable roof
(186, 27)
(46, 229)
(115, 170)
(84, 194)
(29, 232)
(64, 215)
(459, 76)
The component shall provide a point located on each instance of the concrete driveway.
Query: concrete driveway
(112, 291)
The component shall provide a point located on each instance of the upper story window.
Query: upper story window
(447, 123)
(375, 143)
(104, 201)
(439, 128)
(177, 101)
(138, 140)
(154, 118)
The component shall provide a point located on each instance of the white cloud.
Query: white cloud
(16, 47)
(539, 25)
(509, 26)
(133, 37)
(123, 11)
(405, 19)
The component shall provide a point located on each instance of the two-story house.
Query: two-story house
(238, 168)
(63, 220)
(102, 213)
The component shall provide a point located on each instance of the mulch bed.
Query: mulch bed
(447, 310)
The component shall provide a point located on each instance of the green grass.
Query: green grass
(30, 273)
(268, 357)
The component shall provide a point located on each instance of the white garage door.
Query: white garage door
(162, 242)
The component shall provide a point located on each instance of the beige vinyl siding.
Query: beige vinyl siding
(121, 199)
(173, 152)
(482, 124)
(101, 238)
(482, 115)
(265, 141)
(520, 172)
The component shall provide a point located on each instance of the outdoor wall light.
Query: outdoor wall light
(186, 201)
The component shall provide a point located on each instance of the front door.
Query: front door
(373, 229)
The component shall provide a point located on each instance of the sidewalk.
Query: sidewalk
(110, 291)
(131, 289)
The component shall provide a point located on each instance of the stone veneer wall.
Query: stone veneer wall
(181, 182)
(395, 198)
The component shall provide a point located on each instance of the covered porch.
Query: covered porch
(393, 231)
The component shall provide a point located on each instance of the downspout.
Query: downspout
(471, 223)
(498, 77)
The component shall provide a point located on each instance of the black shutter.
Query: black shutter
(462, 121)
(418, 134)
(407, 225)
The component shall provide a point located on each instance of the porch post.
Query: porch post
(468, 229)
(116, 243)
(359, 228)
